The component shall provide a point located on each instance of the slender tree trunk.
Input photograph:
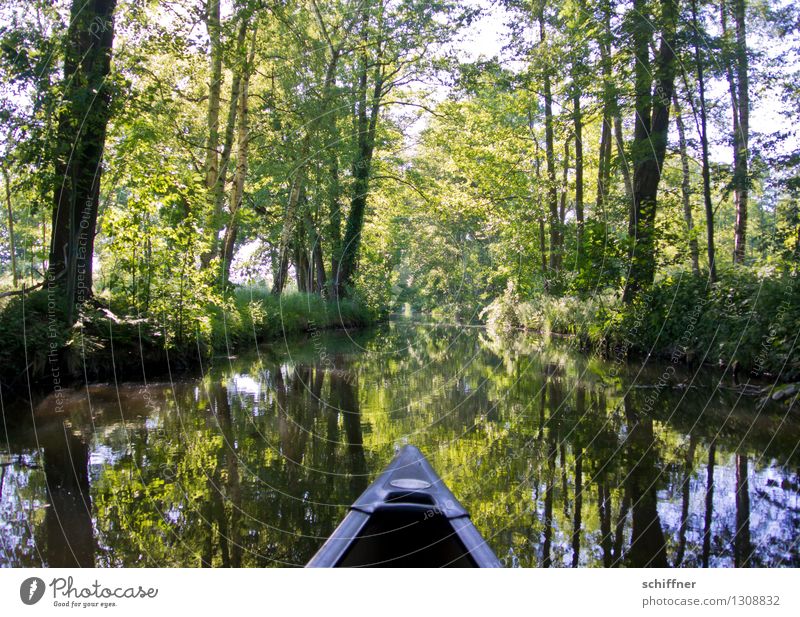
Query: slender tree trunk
(334, 221)
(577, 120)
(217, 191)
(550, 158)
(79, 148)
(703, 135)
(11, 245)
(214, 88)
(603, 165)
(562, 208)
(317, 266)
(609, 102)
(623, 158)
(738, 83)
(301, 265)
(334, 187)
(542, 241)
(650, 139)
(367, 119)
(242, 144)
(295, 193)
(686, 190)
(742, 172)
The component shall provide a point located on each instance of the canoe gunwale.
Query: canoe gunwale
(381, 499)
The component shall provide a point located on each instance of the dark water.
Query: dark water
(562, 460)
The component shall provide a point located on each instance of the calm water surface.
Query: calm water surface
(562, 460)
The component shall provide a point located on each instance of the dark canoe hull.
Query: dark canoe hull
(406, 518)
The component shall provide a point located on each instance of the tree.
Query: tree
(653, 94)
(242, 144)
(686, 192)
(702, 130)
(736, 69)
(556, 239)
(79, 147)
(12, 249)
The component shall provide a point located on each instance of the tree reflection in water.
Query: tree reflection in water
(560, 461)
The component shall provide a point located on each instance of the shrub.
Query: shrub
(254, 314)
(748, 317)
(29, 325)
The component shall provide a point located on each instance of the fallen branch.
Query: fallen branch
(19, 292)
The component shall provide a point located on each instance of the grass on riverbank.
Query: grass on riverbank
(749, 319)
(104, 345)
(255, 315)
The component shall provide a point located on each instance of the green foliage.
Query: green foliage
(599, 261)
(567, 315)
(31, 327)
(102, 344)
(254, 315)
(749, 317)
(458, 210)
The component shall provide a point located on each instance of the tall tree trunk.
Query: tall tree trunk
(296, 191)
(577, 122)
(366, 122)
(609, 103)
(603, 165)
(550, 158)
(242, 144)
(562, 208)
(79, 148)
(703, 135)
(542, 241)
(736, 66)
(214, 88)
(622, 158)
(334, 220)
(317, 266)
(301, 264)
(217, 191)
(686, 190)
(11, 245)
(650, 138)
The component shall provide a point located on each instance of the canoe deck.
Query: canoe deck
(406, 518)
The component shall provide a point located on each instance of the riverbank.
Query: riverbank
(37, 354)
(748, 320)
